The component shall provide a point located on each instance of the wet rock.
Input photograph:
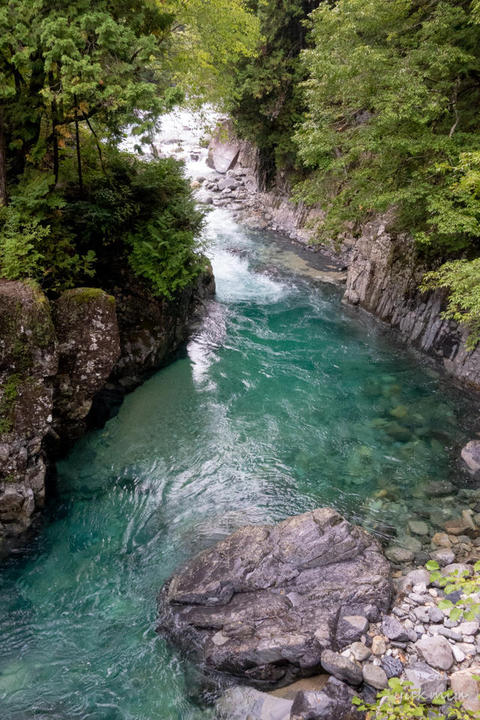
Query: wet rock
(428, 681)
(399, 555)
(262, 604)
(334, 702)
(441, 540)
(471, 455)
(460, 526)
(439, 488)
(341, 668)
(375, 676)
(436, 651)
(418, 527)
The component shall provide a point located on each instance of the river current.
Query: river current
(283, 401)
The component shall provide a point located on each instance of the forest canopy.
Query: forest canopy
(74, 77)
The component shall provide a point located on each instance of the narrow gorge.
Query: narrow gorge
(284, 400)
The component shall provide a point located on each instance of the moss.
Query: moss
(84, 295)
(7, 403)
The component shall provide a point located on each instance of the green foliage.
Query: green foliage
(392, 95)
(137, 212)
(208, 40)
(267, 102)
(462, 280)
(468, 606)
(402, 701)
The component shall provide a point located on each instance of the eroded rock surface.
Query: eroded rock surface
(89, 346)
(264, 604)
(28, 362)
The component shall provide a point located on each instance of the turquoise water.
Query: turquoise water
(284, 401)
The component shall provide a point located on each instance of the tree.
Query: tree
(392, 96)
(267, 102)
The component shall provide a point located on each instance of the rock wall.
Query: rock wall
(383, 278)
(57, 358)
(383, 273)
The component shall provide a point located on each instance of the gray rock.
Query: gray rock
(414, 577)
(428, 681)
(360, 651)
(399, 555)
(350, 628)
(443, 557)
(471, 455)
(375, 676)
(439, 488)
(334, 702)
(341, 668)
(393, 666)
(240, 703)
(436, 651)
(422, 614)
(466, 689)
(418, 527)
(394, 630)
(436, 615)
(262, 604)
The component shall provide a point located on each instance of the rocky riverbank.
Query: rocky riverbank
(378, 266)
(65, 365)
(314, 594)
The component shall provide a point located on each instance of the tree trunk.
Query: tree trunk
(79, 153)
(3, 162)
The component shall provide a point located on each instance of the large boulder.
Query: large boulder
(263, 604)
(28, 363)
(89, 346)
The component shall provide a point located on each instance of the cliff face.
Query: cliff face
(56, 359)
(383, 278)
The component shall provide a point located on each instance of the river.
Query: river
(281, 402)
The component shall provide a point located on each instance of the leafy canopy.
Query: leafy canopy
(392, 97)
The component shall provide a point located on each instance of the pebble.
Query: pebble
(443, 557)
(399, 555)
(393, 666)
(422, 614)
(436, 651)
(441, 540)
(360, 652)
(375, 676)
(418, 527)
(468, 628)
(394, 630)
(378, 645)
(458, 654)
(435, 614)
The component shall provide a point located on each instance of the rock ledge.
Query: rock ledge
(263, 604)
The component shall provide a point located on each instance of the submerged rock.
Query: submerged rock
(263, 604)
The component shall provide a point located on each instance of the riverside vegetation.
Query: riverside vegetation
(388, 118)
(73, 80)
(362, 107)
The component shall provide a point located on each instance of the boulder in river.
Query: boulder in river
(263, 604)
